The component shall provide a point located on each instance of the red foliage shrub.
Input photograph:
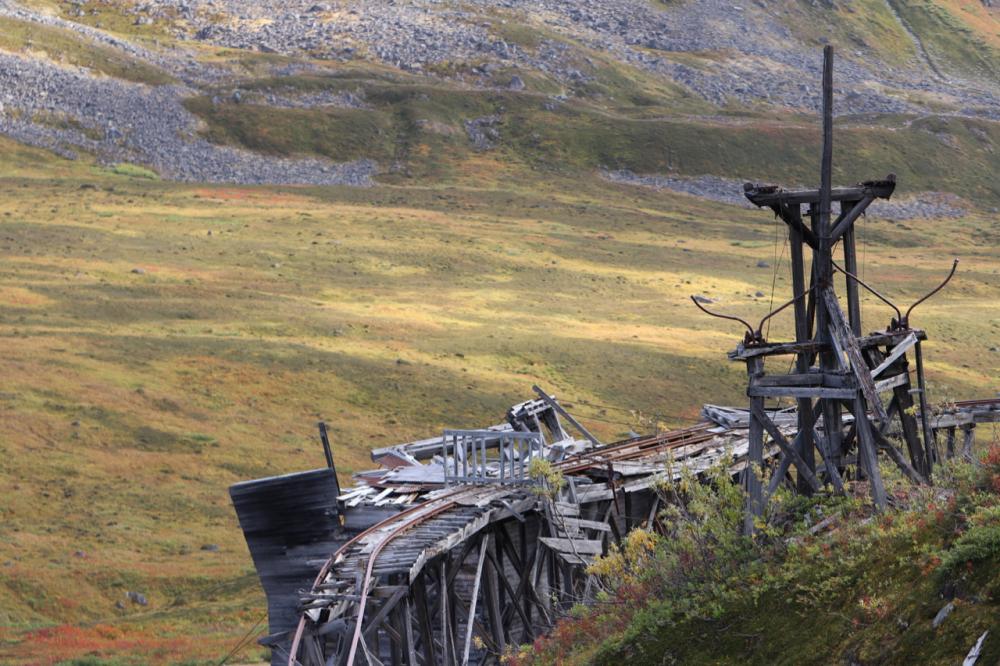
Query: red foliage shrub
(991, 467)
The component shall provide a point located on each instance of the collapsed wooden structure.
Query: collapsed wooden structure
(449, 554)
(428, 568)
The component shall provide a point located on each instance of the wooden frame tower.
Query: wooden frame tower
(840, 376)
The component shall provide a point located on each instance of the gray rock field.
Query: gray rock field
(759, 62)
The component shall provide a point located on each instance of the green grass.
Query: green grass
(950, 42)
(134, 171)
(132, 400)
(65, 46)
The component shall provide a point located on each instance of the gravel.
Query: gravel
(730, 191)
(144, 125)
(757, 60)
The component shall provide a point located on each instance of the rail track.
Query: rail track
(338, 590)
(373, 541)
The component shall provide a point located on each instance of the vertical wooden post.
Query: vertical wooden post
(327, 451)
(925, 417)
(826, 171)
(851, 266)
(867, 452)
(755, 455)
(968, 440)
(443, 594)
(904, 403)
(806, 446)
(823, 261)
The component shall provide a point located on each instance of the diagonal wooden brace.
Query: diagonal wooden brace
(846, 340)
(758, 413)
(846, 220)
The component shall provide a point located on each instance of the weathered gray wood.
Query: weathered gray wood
(867, 454)
(930, 450)
(968, 440)
(758, 413)
(897, 351)
(888, 338)
(800, 392)
(845, 228)
(755, 455)
(475, 598)
(566, 415)
(769, 195)
(829, 464)
(890, 383)
(840, 330)
(903, 402)
(576, 546)
(898, 458)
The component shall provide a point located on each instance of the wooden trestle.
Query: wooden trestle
(473, 570)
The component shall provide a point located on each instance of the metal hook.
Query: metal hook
(899, 315)
(906, 318)
(751, 335)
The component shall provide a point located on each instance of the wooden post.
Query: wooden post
(925, 417)
(806, 445)
(755, 455)
(851, 266)
(968, 440)
(867, 453)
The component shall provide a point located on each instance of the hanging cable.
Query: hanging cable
(777, 266)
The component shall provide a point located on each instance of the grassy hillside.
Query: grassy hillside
(164, 340)
(918, 584)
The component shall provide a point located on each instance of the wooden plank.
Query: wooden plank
(891, 383)
(586, 524)
(474, 599)
(899, 459)
(763, 195)
(888, 338)
(800, 392)
(846, 221)
(786, 448)
(830, 465)
(967, 441)
(566, 415)
(867, 454)
(577, 546)
(840, 330)
(896, 352)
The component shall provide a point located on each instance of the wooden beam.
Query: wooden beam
(801, 392)
(897, 351)
(867, 453)
(474, 599)
(791, 216)
(566, 415)
(757, 412)
(845, 223)
(771, 195)
(755, 456)
(840, 330)
(899, 459)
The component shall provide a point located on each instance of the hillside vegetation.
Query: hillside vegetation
(164, 339)
(826, 581)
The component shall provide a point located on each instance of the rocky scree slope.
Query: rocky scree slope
(740, 58)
